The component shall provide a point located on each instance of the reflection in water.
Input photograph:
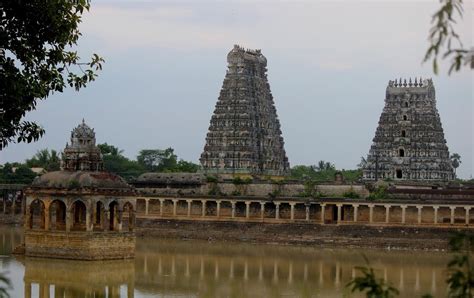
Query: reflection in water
(217, 269)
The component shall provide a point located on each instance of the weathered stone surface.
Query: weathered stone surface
(409, 143)
(82, 154)
(80, 246)
(244, 135)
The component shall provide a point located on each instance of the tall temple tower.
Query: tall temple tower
(409, 143)
(244, 135)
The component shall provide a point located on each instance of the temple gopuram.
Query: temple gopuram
(244, 133)
(409, 143)
(80, 212)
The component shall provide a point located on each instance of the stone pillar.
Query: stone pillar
(339, 217)
(175, 204)
(233, 208)
(247, 209)
(387, 213)
(68, 220)
(203, 208)
(27, 220)
(88, 220)
(13, 204)
(218, 211)
(27, 289)
(452, 214)
(419, 207)
(467, 215)
(307, 212)
(277, 210)
(292, 211)
(323, 206)
(435, 221)
(44, 290)
(5, 205)
(162, 203)
(120, 218)
(262, 210)
(371, 213)
(46, 217)
(146, 206)
(189, 207)
(356, 209)
(404, 207)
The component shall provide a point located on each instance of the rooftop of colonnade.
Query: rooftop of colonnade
(80, 182)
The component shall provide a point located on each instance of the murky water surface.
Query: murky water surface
(176, 268)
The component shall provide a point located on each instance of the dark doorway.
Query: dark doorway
(401, 153)
(399, 174)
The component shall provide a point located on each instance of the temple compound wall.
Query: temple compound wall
(327, 221)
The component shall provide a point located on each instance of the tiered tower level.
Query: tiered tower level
(409, 143)
(244, 135)
(82, 154)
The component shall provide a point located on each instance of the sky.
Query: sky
(329, 63)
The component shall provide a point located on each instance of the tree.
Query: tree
(21, 175)
(368, 283)
(444, 41)
(37, 58)
(107, 149)
(187, 167)
(116, 163)
(158, 160)
(362, 163)
(455, 161)
(49, 160)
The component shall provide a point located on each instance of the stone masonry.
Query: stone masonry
(409, 142)
(244, 134)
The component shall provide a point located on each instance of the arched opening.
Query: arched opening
(129, 219)
(401, 152)
(99, 216)
(404, 133)
(113, 212)
(399, 174)
(406, 104)
(79, 213)
(405, 118)
(37, 214)
(57, 213)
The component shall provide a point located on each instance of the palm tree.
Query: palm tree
(455, 161)
(363, 163)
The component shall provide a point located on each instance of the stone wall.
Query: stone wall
(300, 233)
(79, 245)
(252, 189)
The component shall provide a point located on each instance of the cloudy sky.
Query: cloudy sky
(328, 66)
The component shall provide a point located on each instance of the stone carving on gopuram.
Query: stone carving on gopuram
(80, 212)
(409, 142)
(244, 133)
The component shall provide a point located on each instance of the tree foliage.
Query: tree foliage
(37, 58)
(158, 160)
(49, 160)
(323, 171)
(21, 175)
(444, 41)
(372, 286)
(455, 161)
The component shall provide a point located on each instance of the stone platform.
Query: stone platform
(80, 245)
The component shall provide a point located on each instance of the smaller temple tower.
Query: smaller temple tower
(80, 212)
(244, 134)
(409, 142)
(82, 154)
